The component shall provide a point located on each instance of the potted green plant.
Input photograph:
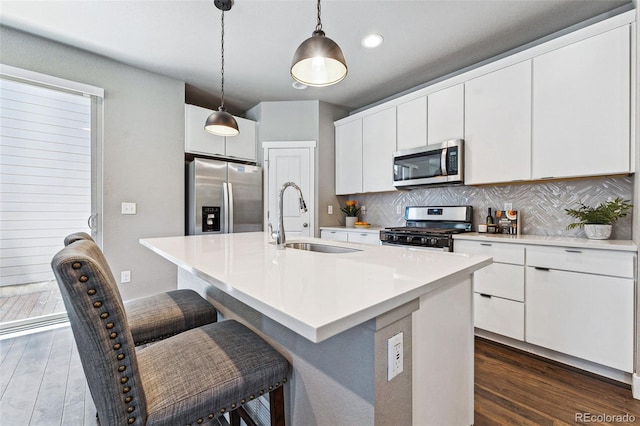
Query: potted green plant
(351, 211)
(597, 221)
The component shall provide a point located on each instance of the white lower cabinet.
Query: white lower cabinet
(573, 309)
(351, 236)
(333, 235)
(575, 301)
(499, 288)
(498, 315)
(362, 237)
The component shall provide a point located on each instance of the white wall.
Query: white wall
(143, 152)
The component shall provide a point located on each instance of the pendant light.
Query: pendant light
(220, 122)
(318, 61)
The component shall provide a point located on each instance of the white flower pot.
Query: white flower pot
(350, 220)
(597, 232)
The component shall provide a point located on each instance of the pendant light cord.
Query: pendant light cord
(319, 24)
(222, 70)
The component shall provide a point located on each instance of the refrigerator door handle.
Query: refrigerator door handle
(225, 208)
(230, 206)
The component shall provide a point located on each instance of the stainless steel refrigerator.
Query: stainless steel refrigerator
(223, 197)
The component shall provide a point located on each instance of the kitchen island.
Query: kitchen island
(331, 315)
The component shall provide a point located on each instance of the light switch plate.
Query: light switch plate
(125, 277)
(128, 208)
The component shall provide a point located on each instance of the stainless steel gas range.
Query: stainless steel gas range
(430, 227)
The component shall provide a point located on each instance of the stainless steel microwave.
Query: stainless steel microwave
(441, 163)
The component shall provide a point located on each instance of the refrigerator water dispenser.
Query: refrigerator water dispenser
(210, 219)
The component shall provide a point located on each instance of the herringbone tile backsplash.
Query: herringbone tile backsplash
(540, 205)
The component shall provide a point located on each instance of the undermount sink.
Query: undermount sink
(321, 248)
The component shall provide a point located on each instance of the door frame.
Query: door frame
(311, 197)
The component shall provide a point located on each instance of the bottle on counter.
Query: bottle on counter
(490, 218)
(491, 224)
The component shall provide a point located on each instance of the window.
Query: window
(48, 136)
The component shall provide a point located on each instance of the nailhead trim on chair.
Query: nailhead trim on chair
(165, 336)
(242, 402)
(116, 346)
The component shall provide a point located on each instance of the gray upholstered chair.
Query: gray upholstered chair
(161, 315)
(190, 378)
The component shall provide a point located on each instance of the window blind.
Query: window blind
(45, 176)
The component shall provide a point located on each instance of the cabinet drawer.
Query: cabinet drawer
(364, 237)
(499, 316)
(501, 252)
(333, 235)
(500, 279)
(584, 315)
(602, 262)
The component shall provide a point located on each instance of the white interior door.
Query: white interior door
(290, 163)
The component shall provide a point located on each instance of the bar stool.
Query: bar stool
(161, 315)
(190, 378)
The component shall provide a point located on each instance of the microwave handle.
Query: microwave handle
(443, 161)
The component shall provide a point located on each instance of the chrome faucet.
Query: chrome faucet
(279, 235)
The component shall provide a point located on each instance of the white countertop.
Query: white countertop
(544, 240)
(317, 295)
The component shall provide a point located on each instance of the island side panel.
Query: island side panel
(332, 382)
(393, 399)
(443, 348)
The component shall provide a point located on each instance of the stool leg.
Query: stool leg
(276, 406)
(234, 417)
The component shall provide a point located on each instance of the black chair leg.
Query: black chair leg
(234, 417)
(276, 410)
(276, 406)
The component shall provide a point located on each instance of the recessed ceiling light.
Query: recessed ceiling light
(372, 40)
(298, 85)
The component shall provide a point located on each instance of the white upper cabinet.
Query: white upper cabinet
(196, 139)
(446, 115)
(349, 158)
(412, 123)
(581, 108)
(378, 145)
(244, 144)
(199, 141)
(498, 126)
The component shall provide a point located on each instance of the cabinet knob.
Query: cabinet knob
(304, 225)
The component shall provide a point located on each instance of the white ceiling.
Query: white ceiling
(423, 40)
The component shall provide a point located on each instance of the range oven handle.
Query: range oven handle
(443, 161)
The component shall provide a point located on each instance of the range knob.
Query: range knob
(424, 240)
(394, 237)
(409, 239)
(434, 241)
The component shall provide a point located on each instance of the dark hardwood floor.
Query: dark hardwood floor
(42, 383)
(515, 388)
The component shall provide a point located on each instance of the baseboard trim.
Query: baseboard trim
(635, 386)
